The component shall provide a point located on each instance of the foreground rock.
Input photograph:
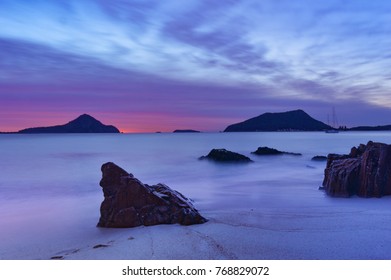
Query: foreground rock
(223, 155)
(365, 172)
(266, 151)
(130, 203)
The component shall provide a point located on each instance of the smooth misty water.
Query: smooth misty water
(50, 193)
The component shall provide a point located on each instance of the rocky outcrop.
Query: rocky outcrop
(130, 203)
(266, 151)
(365, 172)
(223, 155)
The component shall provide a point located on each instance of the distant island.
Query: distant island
(185, 131)
(296, 120)
(371, 128)
(82, 124)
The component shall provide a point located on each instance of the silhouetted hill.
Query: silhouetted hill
(83, 124)
(296, 120)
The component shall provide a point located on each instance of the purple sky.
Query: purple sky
(146, 65)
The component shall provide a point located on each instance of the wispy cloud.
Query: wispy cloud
(196, 57)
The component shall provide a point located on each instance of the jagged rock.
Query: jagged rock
(365, 172)
(130, 203)
(266, 151)
(223, 155)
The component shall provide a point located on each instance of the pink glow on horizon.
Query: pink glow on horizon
(144, 67)
(126, 123)
(160, 122)
(12, 122)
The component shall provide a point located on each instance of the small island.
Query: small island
(371, 128)
(185, 131)
(82, 124)
(296, 120)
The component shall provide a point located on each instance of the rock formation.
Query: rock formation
(130, 203)
(266, 151)
(223, 155)
(365, 172)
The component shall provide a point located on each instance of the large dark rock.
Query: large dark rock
(365, 172)
(266, 151)
(130, 203)
(223, 155)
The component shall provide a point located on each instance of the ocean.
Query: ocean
(50, 194)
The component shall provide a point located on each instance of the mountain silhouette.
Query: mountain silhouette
(82, 124)
(296, 120)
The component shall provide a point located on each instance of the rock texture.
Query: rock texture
(266, 151)
(130, 203)
(223, 155)
(365, 172)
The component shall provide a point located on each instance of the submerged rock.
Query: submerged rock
(223, 155)
(266, 151)
(319, 158)
(130, 203)
(365, 172)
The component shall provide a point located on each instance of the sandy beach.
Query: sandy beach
(253, 234)
(318, 233)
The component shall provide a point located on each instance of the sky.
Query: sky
(154, 65)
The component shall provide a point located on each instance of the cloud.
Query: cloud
(205, 59)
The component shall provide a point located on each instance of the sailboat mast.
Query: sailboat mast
(335, 122)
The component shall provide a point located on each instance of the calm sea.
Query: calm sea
(49, 184)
